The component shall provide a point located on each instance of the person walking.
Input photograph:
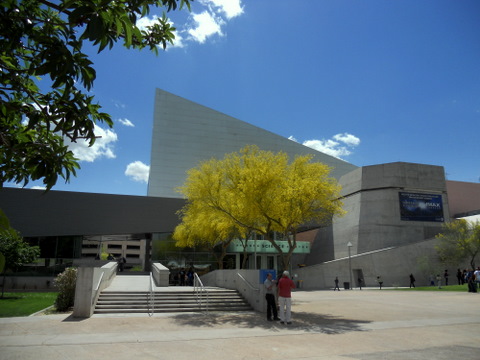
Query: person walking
(360, 281)
(412, 281)
(445, 275)
(270, 297)
(336, 284)
(285, 286)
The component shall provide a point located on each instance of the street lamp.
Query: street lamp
(350, 263)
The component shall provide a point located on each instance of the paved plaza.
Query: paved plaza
(365, 325)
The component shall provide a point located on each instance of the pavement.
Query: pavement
(369, 324)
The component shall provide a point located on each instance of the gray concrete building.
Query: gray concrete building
(186, 133)
(393, 210)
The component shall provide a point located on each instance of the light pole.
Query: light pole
(349, 245)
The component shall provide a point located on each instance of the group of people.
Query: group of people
(470, 277)
(184, 277)
(283, 289)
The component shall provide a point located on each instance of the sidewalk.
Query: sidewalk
(365, 325)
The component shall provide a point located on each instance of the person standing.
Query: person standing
(445, 275)
(459, 277)
(336, 284)
(360, 281)
(182, 277)
(380, 282)
(270, 297)
(472, 285)
(121, 263)
(439, 281)
(412, 281)
(476, 274)
(285, 286)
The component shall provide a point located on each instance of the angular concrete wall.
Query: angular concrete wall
(186, 133)
(371, 198)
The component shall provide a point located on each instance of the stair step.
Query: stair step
(171, 310)
(111, 302)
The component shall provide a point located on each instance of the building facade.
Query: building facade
(393, 210)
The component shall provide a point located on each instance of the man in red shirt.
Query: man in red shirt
(285, 286)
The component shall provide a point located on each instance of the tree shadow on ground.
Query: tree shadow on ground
(301, 321)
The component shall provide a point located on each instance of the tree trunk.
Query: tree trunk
(3, 285)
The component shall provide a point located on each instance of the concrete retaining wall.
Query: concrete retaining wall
(90, 283)
(161, 274)
(394, 265)
(246, 282)
(29, 283)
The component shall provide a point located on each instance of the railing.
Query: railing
(201, 292)
(95, 293)
(151, 297)
(247, 282)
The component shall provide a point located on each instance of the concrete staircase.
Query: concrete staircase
(181, 300)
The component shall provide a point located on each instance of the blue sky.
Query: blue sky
(368, 81)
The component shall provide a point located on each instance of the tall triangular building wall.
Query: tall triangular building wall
(186, 133)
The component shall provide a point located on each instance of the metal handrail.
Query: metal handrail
(151, 299)
(95, 293)
(99, 282)
(200, 291)
(247, 282)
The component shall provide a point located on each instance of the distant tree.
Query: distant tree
(263, 192)
(14, 249)
(459, 240)
(45, 77)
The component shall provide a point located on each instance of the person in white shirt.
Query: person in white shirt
(270, 297)
(476, 273)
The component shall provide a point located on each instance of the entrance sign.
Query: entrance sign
(266, 247)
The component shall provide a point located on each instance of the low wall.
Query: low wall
(90, 282)
(29, 283)
(246, 282)
(394, 265)
(161, 274)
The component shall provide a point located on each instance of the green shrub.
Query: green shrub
(65, 283)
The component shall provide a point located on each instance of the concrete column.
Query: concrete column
(83, 293)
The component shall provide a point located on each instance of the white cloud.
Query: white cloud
(348, 139)
(126, 122)
(208, 21)
(329, 147)
(118, 104)
(103, 146)
(340, 145)
(138, 171)
(146, 21)
(231, 8)
(37, 187)
(206, 25)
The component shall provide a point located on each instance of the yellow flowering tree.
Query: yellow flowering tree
(203, 228)
(259, 191)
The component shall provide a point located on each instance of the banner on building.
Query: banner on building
(421, 207)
